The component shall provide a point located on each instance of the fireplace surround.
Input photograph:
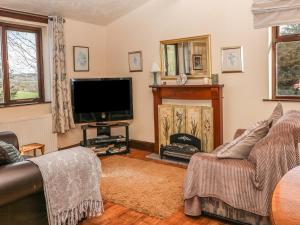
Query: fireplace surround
(191, 92)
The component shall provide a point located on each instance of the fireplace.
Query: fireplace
(182, 146)
(195, 121)
(191, 92)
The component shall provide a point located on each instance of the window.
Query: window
(21, 79)
(286, 62)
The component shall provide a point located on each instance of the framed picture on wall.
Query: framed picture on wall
(135, 61)
(197, 62)
(232, 60)
(81, 59)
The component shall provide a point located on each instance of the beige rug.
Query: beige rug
(148, 187)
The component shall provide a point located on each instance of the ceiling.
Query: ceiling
(100, 12)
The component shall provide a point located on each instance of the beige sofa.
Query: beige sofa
(241, 190)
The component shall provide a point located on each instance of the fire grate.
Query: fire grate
(182, 146)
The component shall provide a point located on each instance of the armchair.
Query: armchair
(241, 190)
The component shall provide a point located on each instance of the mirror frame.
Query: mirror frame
(207, 39)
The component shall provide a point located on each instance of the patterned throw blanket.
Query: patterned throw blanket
(71, 180)
(245, 184)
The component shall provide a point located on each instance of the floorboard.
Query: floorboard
(115, 214)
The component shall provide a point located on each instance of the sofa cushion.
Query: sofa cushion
(9, 154)
(276, 114)
(240, 147)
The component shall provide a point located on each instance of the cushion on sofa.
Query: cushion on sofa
(9, 154)
(278, 152)
(276, 114)
(241, 147)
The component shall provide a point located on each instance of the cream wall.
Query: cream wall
(229, 23)
(22, 112)
(88, 35)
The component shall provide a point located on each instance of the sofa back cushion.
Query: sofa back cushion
(9, 154)
(277, 152)
(240, 147)
(276, 114)
(243, 143)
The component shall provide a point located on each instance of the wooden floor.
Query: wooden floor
(115, 214)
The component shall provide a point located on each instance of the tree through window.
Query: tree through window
(286, 62)
(21, 65)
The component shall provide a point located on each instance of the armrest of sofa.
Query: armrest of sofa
(18, 180)
(10, 138)
(238, 133)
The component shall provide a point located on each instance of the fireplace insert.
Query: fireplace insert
(181, 146)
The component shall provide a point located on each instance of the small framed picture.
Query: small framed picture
(197, 62)
(232, 60)
(81, 59)
(135, 61)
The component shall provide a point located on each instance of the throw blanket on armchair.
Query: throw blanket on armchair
(245, 184)
(71, 180)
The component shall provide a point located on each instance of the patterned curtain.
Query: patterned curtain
(61, 105)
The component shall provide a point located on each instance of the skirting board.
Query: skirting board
(142, 145)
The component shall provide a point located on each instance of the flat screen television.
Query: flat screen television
(103, 99)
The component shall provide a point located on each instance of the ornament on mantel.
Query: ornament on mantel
(215, 78)
(155, 70)
(182, 79)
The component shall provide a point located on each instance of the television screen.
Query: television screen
(105, 99)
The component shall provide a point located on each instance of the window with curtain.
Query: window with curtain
(21, 70)
(286, 62)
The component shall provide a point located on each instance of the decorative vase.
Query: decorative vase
(215, 78)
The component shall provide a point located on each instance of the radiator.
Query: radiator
(33, 130)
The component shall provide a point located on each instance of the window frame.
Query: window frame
(5, 67)
(277, 38)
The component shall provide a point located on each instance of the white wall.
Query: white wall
(230, 23)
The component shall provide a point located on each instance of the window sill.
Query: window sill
(24, 104)
(280, 100)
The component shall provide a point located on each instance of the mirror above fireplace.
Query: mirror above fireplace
(190, 56)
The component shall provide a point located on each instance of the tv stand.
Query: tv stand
(104, 138)
(101, 124)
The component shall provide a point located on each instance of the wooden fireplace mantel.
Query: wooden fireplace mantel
(191, 92)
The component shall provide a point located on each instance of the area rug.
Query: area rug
(145, 186)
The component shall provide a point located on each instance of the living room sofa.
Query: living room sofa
(22, 199)
(241, 189)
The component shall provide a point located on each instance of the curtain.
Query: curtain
(61, 105)
(275, 12)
